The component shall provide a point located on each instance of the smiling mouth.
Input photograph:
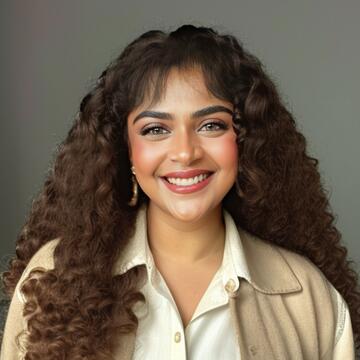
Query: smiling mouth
(187, 181)
(186, 186)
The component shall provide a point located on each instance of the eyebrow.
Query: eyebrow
(195, 115)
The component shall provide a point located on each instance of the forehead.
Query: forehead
(180, 87)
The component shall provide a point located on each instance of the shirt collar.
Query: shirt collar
(138, 252)
(246, 256)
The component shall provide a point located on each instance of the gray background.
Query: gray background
(51, 52)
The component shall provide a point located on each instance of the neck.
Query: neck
(189, 243)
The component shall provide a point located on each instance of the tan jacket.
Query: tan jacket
(288, 311)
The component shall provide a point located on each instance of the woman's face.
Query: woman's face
(159, 145)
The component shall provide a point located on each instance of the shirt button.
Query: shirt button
(177, 337)
(230, 286)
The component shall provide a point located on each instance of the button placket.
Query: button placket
(178, 340)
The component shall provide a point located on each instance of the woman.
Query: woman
(183, 218)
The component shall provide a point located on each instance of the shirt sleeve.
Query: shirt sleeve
(344, 347)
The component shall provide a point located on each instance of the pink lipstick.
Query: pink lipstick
(186, 189)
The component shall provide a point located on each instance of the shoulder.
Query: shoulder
(300, 264)
(309, 274)
(14, 339)
(305, 296)
(327, 300)
(282, 270)
(42, 259)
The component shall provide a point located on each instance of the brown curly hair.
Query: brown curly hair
(78, 309)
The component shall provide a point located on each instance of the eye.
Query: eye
(153, 130)
(215, 125)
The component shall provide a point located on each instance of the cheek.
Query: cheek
(226, 152)
(144, 156)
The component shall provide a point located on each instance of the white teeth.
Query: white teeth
(189, 181)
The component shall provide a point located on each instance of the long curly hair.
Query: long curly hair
(78, 309)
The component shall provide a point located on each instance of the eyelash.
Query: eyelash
(221, 125)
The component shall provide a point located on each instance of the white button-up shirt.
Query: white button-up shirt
(209, 334)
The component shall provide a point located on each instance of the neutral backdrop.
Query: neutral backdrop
(52, 51)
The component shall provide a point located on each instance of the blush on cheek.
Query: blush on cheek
(145, 157)
(138, 150)
(230, 142)
(230, 152)
(225, 151)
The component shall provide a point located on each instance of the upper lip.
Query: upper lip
(186, 173)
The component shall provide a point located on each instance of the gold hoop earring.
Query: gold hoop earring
(134, 198)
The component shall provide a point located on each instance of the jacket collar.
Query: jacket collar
(253, 259)
(269, 271)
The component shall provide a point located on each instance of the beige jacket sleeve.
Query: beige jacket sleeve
(11, 349)
(344, 341)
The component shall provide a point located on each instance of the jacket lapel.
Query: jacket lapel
(270, 274)
(269, 271)
(251, 333)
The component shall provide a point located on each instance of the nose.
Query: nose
(185, 148)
